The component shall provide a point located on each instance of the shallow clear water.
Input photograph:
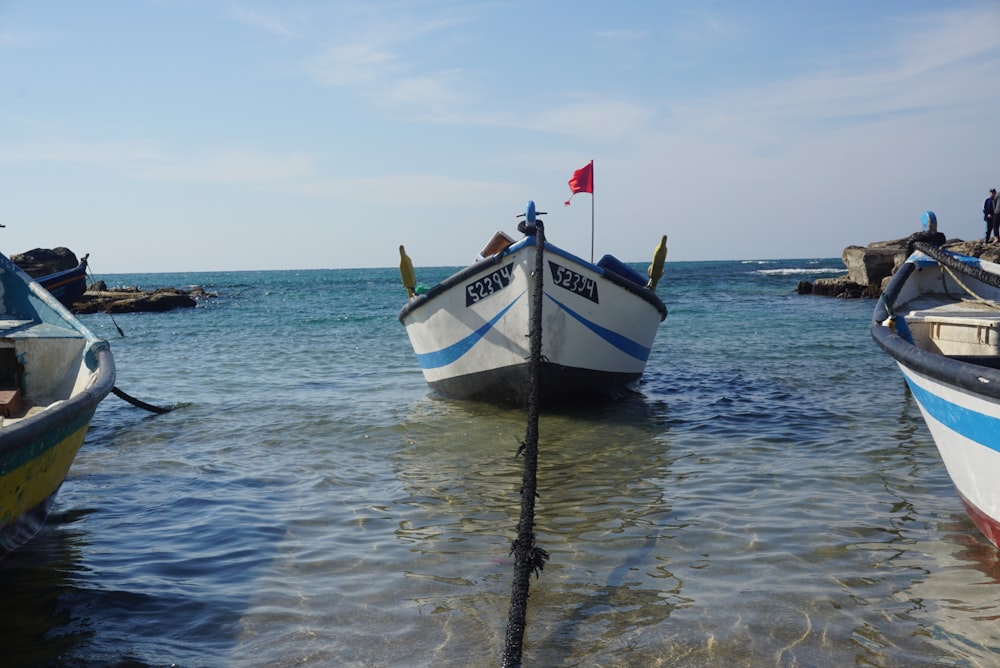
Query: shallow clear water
(773, 499)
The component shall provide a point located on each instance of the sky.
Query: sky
(216, 135)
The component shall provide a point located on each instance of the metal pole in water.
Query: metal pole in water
(528, 557)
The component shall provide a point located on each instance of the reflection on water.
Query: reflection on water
(35, 584)
(601, 514)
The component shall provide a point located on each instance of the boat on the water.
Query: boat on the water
(470, 332)
(939, 318)
(53, 373)
(68, 285)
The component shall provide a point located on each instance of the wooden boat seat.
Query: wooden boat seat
(10, 403)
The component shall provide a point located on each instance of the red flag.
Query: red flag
(582, 181)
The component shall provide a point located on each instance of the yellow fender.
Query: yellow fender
(406, 273)
(655, 270)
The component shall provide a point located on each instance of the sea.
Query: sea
(771, 498)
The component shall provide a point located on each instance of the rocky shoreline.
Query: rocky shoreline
(98, 297)
(870, 267)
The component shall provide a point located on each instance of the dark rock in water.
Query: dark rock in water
(134, 300)
(842, 287)
(40, 262)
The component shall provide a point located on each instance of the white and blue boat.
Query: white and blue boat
(470, 332)
(939, 319)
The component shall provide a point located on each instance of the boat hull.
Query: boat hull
(470, 332)
(53, 374)
(32, 477)
(67, 286)
(949, 354)
(966, 430)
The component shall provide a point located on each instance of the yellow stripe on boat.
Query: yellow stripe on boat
(28, 485)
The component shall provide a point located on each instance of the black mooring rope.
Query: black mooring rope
(528, 557)
(139, 403)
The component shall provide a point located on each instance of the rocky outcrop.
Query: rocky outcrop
(840, 286)
(40, 262)
(98, 298)
(870, 267)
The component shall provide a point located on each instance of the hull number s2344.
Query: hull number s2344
(491, 283)
(574, 282)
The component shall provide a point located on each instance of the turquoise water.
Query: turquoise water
(773, 498)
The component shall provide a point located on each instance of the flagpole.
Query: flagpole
(592, 189)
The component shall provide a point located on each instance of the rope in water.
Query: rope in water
(138, 403)
(528, 557)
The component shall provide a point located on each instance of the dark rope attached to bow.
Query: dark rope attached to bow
(528, 557)
(159, 410)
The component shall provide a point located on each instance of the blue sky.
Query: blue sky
(190, 135)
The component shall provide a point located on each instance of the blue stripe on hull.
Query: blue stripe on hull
(622, 343)
(978, 427)
(452, 353)
(455, 351)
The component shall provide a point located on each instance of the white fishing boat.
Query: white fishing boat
(53, 373)
(939, 318)
(470, 331)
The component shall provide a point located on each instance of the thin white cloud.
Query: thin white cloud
(269, 23)
(419, 190)
(892, 81)
(623, 34)
(233, 167)
(79, 152)
(142, 160)
(367, 47)
(351, 65)
(593, 119)
(17, 39)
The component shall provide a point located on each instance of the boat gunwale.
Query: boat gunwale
(644, 293)
(973, 378)
(59, 278)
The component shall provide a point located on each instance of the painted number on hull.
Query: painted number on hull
(487, 285)
(574, 282)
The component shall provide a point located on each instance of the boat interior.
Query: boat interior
(959, 328)
(40, 364)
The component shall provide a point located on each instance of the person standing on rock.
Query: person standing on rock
(988, 206)
(994, 227)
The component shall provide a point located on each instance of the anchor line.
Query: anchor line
(528, 557)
